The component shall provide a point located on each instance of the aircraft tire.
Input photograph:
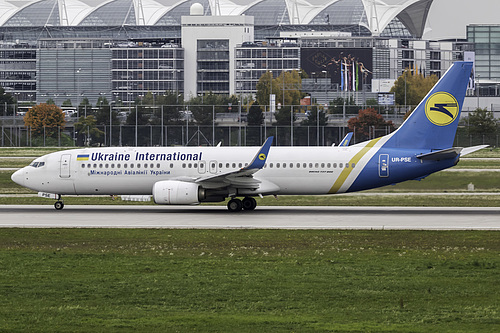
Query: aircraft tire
(249, 203)
(234, 205)
(59, 205)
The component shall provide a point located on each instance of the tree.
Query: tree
(6, 99)
(87, 130)
(367, 122)
(482, 121)
(255, 116)
(291, 86)
(312, 117)
(171, 104)
(67, 103)
(102, 114)
(44, 119)
(410, 89)
(337, 106)
(85, 107)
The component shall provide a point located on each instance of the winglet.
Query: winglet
(345, 141)
(260, 158)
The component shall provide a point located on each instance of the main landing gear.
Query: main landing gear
(236, 205)
(59, 203)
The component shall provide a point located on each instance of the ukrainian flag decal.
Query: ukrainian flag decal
(82, 157)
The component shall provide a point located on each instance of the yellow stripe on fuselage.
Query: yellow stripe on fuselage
(347, 171)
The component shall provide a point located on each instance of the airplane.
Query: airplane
(422, 145)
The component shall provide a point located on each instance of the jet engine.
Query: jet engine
(174, 192)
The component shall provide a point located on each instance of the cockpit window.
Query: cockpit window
(37, 164)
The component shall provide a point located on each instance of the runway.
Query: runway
(264, 217)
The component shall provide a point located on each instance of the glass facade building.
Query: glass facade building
(253, 61)
(486, 40)
(138, 70)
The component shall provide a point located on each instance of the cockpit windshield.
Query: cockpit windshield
(37, 164)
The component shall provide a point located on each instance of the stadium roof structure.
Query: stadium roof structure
(373, 15)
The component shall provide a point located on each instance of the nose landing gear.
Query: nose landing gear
(59, 205)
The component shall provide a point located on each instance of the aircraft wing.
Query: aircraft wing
(241, 178)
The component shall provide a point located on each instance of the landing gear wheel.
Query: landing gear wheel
(249, 203)
(234, 205)
(59, 205)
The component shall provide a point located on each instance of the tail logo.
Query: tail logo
(262, 156)
(441, 108)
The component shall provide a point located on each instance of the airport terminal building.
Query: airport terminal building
(123, 49)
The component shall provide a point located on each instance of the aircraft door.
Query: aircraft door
(383, 165)
(65, 166)
(202, 167)
(213, 167)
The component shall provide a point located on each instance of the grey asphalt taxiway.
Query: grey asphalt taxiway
(264, 217)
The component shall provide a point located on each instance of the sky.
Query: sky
(449, 18)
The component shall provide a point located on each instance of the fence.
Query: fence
(192, 135)
(229, 128)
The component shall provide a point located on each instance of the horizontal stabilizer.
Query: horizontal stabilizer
(444, 154)
(469, 150)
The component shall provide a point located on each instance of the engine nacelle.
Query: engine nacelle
(174, 192)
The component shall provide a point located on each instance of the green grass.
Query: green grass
(486, 153)
(478, 164)
(83, 280)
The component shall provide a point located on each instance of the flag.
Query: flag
(357, 76)
(341, 76)
(354, 76)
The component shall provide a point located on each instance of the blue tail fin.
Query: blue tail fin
(434, 122)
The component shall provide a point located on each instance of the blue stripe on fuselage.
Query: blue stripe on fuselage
(403, 165)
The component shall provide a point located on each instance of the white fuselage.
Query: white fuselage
(294, 170)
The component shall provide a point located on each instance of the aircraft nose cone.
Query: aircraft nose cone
(18, 177)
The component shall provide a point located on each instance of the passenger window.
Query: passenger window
(158, 165)
(88, 166)
(298, 165)
(310, 165)
(83, 166)
(131, 165)
(304, 165)
(284, 165)
(171, 165)
(190, 165)
(353, 165)
(277, 165)
(316, 165)
(322, 165)
(183, 165)
(341, 165)
(100, 166)
(95, 165)
(240, 165)
(335, 165)
(347, 165)
(112, 166)
(271, 165)
(227, 165)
